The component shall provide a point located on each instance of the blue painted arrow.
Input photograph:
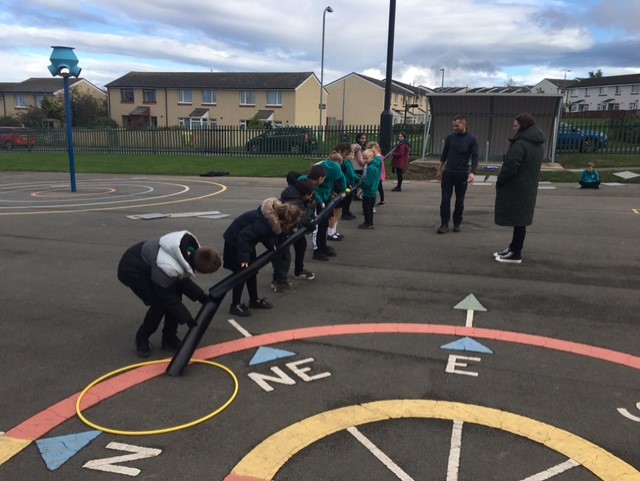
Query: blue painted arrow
(57, 451)
(268, 354)
(467, 344)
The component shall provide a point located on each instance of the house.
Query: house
(210, 99)
(17, 97)
(617, 92)
(356, 99)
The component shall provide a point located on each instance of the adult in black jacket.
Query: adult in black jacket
(454, 172)
(517, 184)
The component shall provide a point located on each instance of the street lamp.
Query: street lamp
(442, 85)
(566, 95)
(324, 17)
(65, 63)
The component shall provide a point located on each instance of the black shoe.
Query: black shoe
(318, 255)
(365, 226)
(260, 303)
(334, 237)
(143, 347)
(329, 251)
(443, 229)
(510, 258)
(503, 252)
(381, 202)
(456, 227)
(171, 343)
(240, 310)
(348, 216)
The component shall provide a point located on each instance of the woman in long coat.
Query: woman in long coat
(517, 185)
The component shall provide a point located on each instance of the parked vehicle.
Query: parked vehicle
(11, 137)
(280, 140)
(579, 140)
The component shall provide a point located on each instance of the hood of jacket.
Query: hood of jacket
(267, 209)
(533, 134)
(170, 260)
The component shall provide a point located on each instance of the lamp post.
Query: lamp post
(564, 86)
(65, 63)
(442, 84)
(324, 18)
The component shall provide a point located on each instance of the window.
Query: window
(209, 97)
(618, 90)
(149, 96)
(21, 102)
(184, 96)
(635, 89)
(39, 99)
(603, 91)
(126, 96)
(633, 105)
(247, 97)
(587, 92)
(274, 98)
(184, 122)
(573, 92)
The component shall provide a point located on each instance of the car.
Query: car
(580, 140)
(11, 137)
(284, 140)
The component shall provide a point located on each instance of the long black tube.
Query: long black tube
(194, 335)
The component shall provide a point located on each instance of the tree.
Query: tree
(596, 74)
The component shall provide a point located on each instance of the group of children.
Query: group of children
(160, 271)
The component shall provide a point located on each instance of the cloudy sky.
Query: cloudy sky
(477, 42)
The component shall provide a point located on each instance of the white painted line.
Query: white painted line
(239, 328)
(628, 415)
(383, 458)
(469, 321)
(108, 464)
(553, 471)
(453, 467)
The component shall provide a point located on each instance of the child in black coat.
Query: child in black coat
(159, 272)
(263, 225)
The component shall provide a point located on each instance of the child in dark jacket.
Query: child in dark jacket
(370, 184)
(299, 194)
(262, 225)
(590, 179)
(159, 272)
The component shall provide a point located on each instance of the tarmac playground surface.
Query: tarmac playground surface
(411, 356)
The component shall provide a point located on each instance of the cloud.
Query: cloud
(477, 42)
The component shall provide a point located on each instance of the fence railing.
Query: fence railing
(233, 141)
(615, 135)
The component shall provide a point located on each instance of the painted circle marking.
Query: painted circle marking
(155, 431)
(266, 459)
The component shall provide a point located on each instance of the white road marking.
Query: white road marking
(553, 471)
(383, 458)
(108, 464)
(239, 328)
(453, 466)
(628, 415)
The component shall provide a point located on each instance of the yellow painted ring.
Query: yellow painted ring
(266, 459)
(155, 431)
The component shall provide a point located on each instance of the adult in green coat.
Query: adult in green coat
(517, 184)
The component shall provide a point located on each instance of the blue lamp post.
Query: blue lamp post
(65, 63)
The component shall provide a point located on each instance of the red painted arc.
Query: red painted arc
(43, 422)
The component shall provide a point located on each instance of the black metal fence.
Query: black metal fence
(232, 141)
(615, 135)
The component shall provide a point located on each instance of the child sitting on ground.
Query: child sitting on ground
(590, 179)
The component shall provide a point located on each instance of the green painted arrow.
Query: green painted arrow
(470, 304)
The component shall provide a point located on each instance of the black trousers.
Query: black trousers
(367, 209)
(453, 181)
(517, 241)
(321, 235)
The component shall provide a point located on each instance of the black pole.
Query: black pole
(386, 117)
(193, 337)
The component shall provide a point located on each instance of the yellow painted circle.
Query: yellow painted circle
(156, 431)
(266, 459)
